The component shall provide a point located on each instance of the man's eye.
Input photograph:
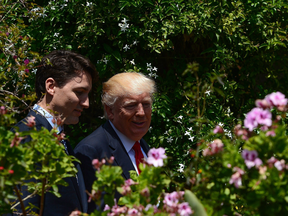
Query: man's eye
(131, 106)
(146, 105)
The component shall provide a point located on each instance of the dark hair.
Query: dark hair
(62, 66)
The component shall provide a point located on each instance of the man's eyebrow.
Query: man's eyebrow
(129, 101)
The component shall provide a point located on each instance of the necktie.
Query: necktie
(65, 146)
(138, 155)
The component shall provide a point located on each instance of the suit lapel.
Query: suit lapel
(121, 157)
(144, 146)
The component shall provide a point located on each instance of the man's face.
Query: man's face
(131, 115)
(72, 98)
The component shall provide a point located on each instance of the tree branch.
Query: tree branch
(20, 200)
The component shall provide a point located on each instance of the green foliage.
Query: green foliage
(210, 59)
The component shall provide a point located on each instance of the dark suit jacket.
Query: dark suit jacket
(72, 198)
(103, 143)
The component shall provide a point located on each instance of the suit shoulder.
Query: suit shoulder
(39, 120)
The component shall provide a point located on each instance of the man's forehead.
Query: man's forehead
(136, 98)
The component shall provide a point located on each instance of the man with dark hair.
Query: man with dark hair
(63, 81)
(127, 99)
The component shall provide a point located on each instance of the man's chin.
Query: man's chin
(69, 121)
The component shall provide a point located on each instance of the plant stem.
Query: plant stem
(42, 197)
(20, 200)
(24, 199)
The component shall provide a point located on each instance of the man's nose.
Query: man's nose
(85, 102)
(140, 109)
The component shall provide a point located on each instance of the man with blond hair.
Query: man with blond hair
(127, 100)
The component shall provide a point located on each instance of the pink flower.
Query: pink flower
(236, 177)
(31, 121)
(133, 212)
(96, 164)
(16, 140)
(126, 187)
(218, 129)
(11, 171)
(172, 199)
(264, 104)
(156, 156)
(26, 70)
(256, 117)
(271, 133)
(1, 167)
(111, 160)
(26, 61)
(3, 111)
(213, 148)
(145, 192)
(130, 182)
(251, 158)
(14, 57)
(276, 99)
(280, 165)
(272, 161)
(239, 131)
(184, 209)
(106, 208)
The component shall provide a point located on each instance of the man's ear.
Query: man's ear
(50, 85)
(110, 112)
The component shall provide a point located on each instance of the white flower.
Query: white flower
(52, 8)
(26, 86)
(35, 9)
(63, 5)
(187, 133)
(153, 75)
(148, 64)
(34, 71)
(221, 124)
(190, 129)
(150, 129)
(207, 92)
(124, 20)
(169, 139)
(135, 42)
(126, 47)
(166, 133)
(149, 69)
(105, 60)
(124, 26)
(181, 168)
(132, 62)
(180, 117)
(191, 138)
(155, 69)
(56, 34)
(88, 4)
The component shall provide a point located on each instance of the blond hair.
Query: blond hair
(124, 84)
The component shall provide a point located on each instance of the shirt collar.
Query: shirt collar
(48, 116)
(128, 143)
